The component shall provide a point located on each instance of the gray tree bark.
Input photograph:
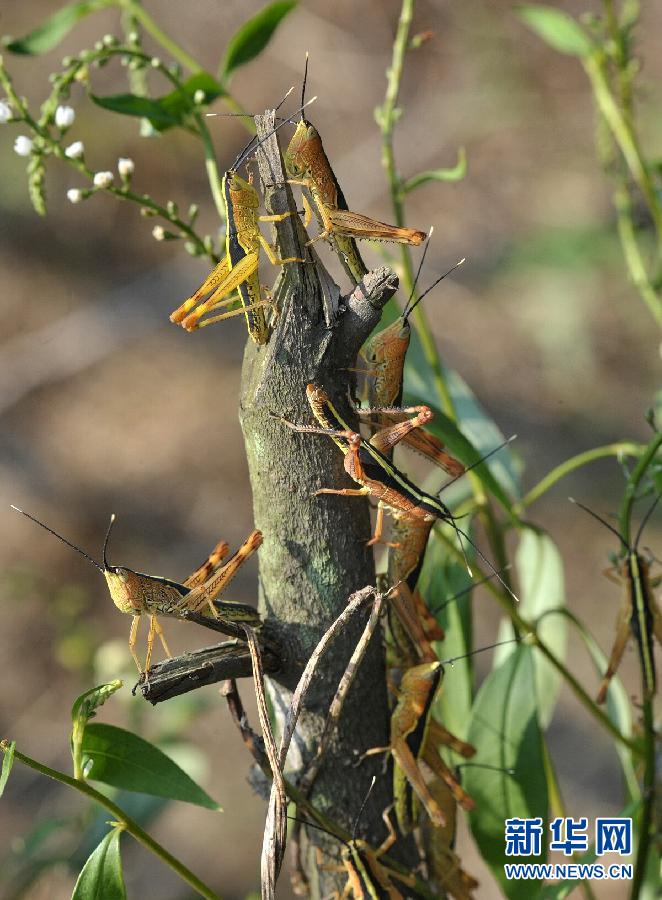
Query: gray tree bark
(314, 553)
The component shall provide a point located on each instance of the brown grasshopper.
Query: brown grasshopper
(238, 270)
(384, 355)
(136, 593)
(639, 614)
(307, 165)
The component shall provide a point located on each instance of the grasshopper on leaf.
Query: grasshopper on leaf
(136, 593)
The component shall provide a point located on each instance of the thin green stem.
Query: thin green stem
(625, 138)
(648, 454)
(129, 825)
(632, 254)
(649, 780)
(528, 628)
(624, 448)
(182, 56)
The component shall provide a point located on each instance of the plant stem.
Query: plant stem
(645, 460)
(129, 825)
(528, 628)
(624, 448)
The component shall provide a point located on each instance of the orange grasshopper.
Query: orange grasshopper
(384, 355)
(307, 165)
(238, 270)
(136, 593)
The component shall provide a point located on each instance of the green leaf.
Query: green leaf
(101, 876)
(143, 107)
(167, 111)
(51, 32)
(457, 173)
(122, 759)
(82, 711)
(618, 703)
(7, 763)
(542, 588)
(441, 579)
(557, 29)
(504, 729)
(253, 36)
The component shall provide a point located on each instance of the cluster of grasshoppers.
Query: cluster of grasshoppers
(426, 790)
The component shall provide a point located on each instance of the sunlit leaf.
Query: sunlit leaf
(143, 107)
(557, 29)
(49, 34)
(542, 588)
(456, 173)
(504, 729)
(7, 763)
(253, 36)
(122, 759)
(101, 877)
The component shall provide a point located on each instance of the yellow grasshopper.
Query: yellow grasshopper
(307, 165)
(238, 270)
(136, 593)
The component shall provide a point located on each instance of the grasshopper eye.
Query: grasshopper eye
(122, 574)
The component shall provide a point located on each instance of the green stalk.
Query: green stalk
(528, 628)
(624, 448)
(127, 823)
(648, 789)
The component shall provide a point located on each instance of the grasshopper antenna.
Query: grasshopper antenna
(418, 273)
(604, 522)
(494, 572)
(105, 543)
(58, 536)
(303, 85)
(413, 306)
(363, 805)
(246, 115)
(645, 520)
(513, 437)
(454, 659)
(474, 584)
(249, 147)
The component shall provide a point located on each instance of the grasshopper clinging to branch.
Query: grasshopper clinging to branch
(238, 270)
(137, 594)
(307, 165)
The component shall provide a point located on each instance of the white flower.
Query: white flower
(125, 166)
(64, 116)
(5, 112)
(75, 150)
(23, 145)
(155, 62)
(158, 233)
(103, 179)
(74, 195)
(199, 97)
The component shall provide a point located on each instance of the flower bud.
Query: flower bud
(23, 145)
(75, 150)
(64, 116)
(103, 179)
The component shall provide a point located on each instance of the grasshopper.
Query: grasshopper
(384, 354)
(639, 614)
(416, 736)
(136, 593)
(238, 270)
(307, 165)
(444, 865)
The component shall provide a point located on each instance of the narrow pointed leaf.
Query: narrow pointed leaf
(101, 877)
(456, 173)
(7, 763)
(557, 29)
(122, 759)
(143, 107)
(51, 32)
(542, 588)
(253, 36)
(504, 729)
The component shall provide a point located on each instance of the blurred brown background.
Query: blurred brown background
(107, 407)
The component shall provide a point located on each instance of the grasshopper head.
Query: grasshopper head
(122, 586)
(388, 344)
(301, 149)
